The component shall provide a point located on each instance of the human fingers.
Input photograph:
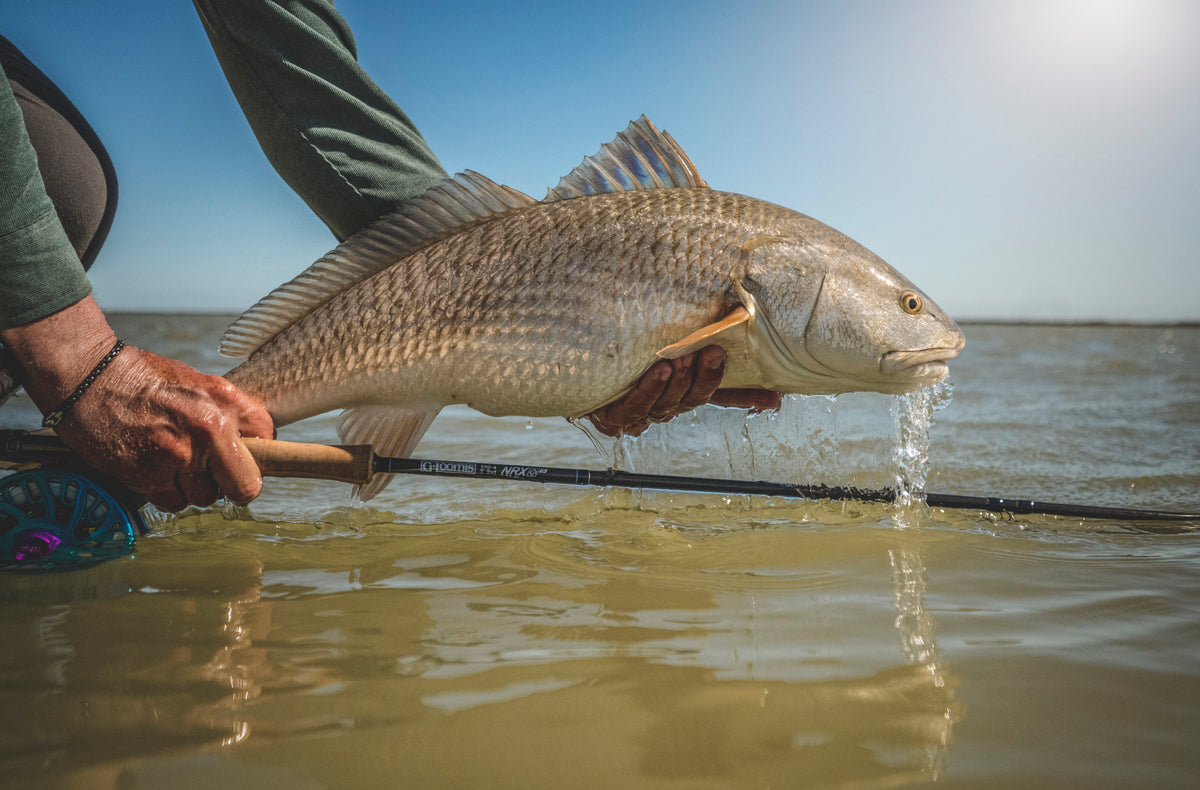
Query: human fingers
(198, 486)
(232, 464)
(167, 468)
(193, 438)
(709, 368)
(678, 385)
(214, 415)
(254, 420)
(235, 471)
(613, 427)
(756, 400)
(635, 407)
(630, 414)
(168, 498)
(250, 417)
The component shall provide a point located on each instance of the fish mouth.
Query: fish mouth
(926, 363)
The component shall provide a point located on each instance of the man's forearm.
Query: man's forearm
(56, 352)
(330, 132)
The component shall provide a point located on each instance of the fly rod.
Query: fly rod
(358, 464)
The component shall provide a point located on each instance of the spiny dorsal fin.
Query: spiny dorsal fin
(446, 207)
(641, 157)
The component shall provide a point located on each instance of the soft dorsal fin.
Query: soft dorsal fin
(641, 157)
(446, 207)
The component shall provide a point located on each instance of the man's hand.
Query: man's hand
(158, 426)
(672, 387)
(169, 432)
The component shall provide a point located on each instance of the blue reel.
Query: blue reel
(57, 520)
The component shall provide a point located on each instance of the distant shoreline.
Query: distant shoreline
(1082, 323)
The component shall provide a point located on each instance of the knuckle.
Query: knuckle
(168, 456)
(604, 427)
(208, 423)
(222, 389)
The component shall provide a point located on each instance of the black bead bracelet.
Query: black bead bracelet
(55, 417)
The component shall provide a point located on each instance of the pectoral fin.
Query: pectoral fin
(706, 336)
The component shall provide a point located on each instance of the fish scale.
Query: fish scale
(477, 294)
(446, 300)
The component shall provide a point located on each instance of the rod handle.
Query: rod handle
(347, 463)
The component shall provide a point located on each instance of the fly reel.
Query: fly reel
(52, 519)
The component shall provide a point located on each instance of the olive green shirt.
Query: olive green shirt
(40, 273)
(330, 132)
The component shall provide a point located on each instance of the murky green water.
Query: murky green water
(478, 634)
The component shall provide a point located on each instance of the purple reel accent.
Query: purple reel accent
(36, 544)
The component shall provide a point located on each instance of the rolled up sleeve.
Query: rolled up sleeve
(329, 131)
(40, 272)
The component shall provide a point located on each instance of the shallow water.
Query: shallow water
(481, 634)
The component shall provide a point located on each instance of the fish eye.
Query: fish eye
(911, 302)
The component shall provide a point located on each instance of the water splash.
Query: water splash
(795, 443)
(858, 439)
(605, 446)
(913, 416)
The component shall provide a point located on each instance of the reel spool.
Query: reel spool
(52, 519)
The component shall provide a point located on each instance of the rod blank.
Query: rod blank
(357, 464)
(710, 485)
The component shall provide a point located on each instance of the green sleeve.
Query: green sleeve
(333, 135)
(40, 273)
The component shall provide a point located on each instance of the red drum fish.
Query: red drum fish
(476, 293)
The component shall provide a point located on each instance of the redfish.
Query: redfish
(476, 293)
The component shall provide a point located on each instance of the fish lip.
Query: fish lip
(917, 363)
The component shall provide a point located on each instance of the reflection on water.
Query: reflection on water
(480, 634)
(759, 671)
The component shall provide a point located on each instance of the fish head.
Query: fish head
(830, 316)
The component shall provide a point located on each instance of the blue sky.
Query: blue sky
(1018, 160)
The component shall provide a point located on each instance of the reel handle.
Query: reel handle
(345, 463)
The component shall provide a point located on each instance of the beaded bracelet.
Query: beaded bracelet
(55, 417)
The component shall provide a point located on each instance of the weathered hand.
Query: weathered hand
(169, 432)
(158, 426)
(672, 387)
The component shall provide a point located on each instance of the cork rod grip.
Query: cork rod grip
(349, 464)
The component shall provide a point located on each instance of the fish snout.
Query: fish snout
(926, 363)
